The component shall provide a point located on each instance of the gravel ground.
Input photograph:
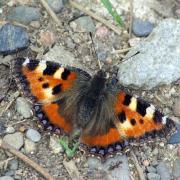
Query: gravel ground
(73, 41)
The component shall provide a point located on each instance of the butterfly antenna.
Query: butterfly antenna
(95, 53)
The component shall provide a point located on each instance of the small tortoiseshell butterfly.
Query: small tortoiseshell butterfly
(66, 98)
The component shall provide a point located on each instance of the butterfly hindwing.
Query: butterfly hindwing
(46, 81)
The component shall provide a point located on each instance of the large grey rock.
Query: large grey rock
(6, 178)
(24, 14)
(154, 61)
(176, 168)
(163, 171)
(12, 38)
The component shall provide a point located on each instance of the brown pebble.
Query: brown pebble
(22, 129)
(47, 38)
(176, 107)
(102, 32)
(146, 163)
(35, 24)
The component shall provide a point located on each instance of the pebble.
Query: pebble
(15, 139)
(178, 151)
(102, 55)
(23, 107)
(163, 171)
(24, 14)
(151, 169)
(142, 69)
(35, 24)
(13, 164)
(176, 107)
(70, 43)
(175, 138)
(153, 176)
(2, 127)
(93, 163)
(56, 5)
(12, 38)
(102, 32)
(55, 145)
(29, 146)
(6, 178)
(146, 163)
(134, 41)
(141, 28)
(33, 135)
(83, 24)
(47, 38)
(121, 172)
(176, 168)
(10, 130)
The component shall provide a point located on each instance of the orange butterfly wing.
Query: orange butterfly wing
(46, 81)
(135, 118)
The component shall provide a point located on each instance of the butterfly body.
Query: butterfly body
(68, 98)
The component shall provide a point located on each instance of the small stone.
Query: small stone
(70, 43)
(55, 145)
(93, 162)
(33, 135)
(24, 14)
(12, 38)
(176, 107)
(15, 140)
(83, 24)
(153, 176)
(2, 128)
(163, 171)
(6, 178)
(35, 24)
(155, 151)
(161, 144)
(56, 5)
(176, 168)
(178, 151)
(134, 41)
(23, 107)
(10, 173)
(29, 146)
(151, 169)
(102, 32)
(175, 138)
(13, 164)
(47, 38)
(141, 28)
(10, 130)
(146, 163)
(102, 55)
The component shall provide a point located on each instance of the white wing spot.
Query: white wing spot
(26, 61)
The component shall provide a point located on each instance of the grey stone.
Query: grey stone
(55, 145)
(175, 138)
(56, 5)
(6, 178)
(10, 130)
(10, 173)
(151, 169)
(24, 14)
(141, 28)
(15, 140)
(2, 128)
(12, 38)
(60, 55)
(33, 135)
(23, 107)
(83, 24)
(13, 164)
(163, 171)
(154, 61)
(121, 172)
(102, 55)
(176, 168)
(93, 162)
(153, 176)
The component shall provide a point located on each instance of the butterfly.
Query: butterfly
(67, 98)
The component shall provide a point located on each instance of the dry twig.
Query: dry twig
(50, 12)
(138, 167)
(2, 22)
(38, 168)
(95, 16)
(120, 51)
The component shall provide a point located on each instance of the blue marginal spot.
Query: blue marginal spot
(175, 138)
